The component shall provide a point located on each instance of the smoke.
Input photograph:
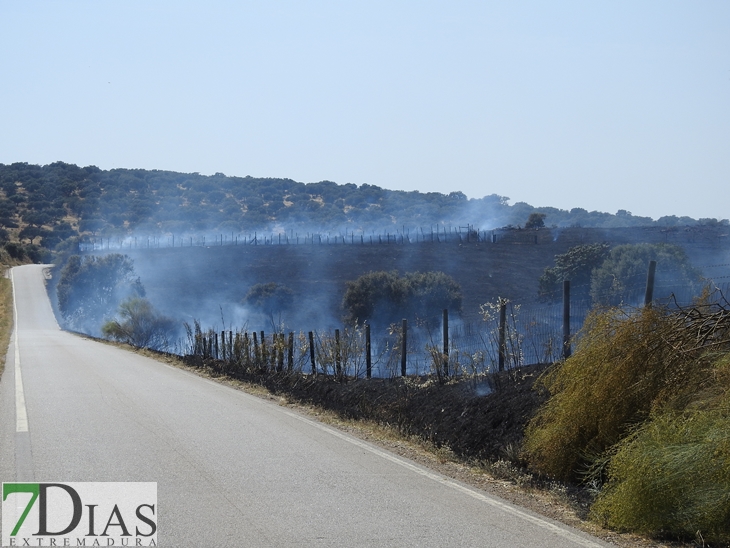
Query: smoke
(207, 283)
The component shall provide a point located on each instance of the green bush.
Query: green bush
(644, 406)
(386, 297)
(622, 276)
(91, 288)
(575, 265)
(625, 364)
(596, 395)
(269, 298)
(140, 325)
(671, 476)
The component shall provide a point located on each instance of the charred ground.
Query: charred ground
(208, 283)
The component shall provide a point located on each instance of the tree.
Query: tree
(270, 299)
(577, 265)
(622, 276)
(536, 220)
(383, 298)
(140, 325)
(90, 288)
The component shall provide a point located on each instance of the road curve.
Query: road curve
(232, 469)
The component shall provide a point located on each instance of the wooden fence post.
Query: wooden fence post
(446, 342)
(502, 333)
(649, 295)
(403, 349)
(566, 319)
(311, 353)
(264, 351)
(338, 357)
(280, 352)
(368, 353)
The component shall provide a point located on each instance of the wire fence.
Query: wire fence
(520, 335)
(527, 333)
(434, 233)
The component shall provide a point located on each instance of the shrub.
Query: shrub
(625, 365)
(386, 297)
(140, 325)
(270, 298)
(597, 394)
(672, 474)
(622, 276)
(535, 220)
(575, 265)
(15, 250)
(91, 288)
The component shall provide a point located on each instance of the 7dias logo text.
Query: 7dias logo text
(79, 514)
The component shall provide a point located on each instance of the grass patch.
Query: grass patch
(6, 318)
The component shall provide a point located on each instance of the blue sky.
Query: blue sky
(601, 105)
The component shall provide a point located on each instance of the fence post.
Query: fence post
(502, 332)
(368, 354)
(216, 346)
(566, 319)
(446, 342)
(649, 295)
(280, 352)
(256, 352)
(223, 345)
(403, 349)
(311, 352)
(264, 352)
(290, 363)
(338, 357)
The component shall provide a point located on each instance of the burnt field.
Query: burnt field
(208, 283)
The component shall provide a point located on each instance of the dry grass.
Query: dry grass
(6, 318)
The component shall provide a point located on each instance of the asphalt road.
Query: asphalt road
(232, 469)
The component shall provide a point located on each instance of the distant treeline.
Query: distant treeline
(46, 205)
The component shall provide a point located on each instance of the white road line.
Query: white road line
(21, 414)
(505, 507)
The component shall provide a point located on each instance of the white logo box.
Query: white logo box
(79, 514)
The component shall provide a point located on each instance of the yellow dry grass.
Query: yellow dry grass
(6, 318)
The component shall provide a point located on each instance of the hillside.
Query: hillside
(46, 205)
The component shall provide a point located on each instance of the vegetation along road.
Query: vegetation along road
(232, 469)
